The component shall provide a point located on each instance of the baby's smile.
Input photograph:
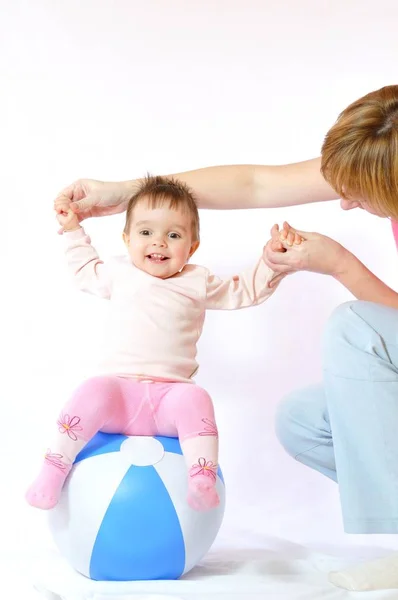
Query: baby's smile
(155, 257)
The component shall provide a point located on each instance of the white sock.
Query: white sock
(380, 574)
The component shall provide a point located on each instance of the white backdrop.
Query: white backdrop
(111, 90)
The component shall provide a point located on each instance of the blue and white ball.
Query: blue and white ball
(123, 513)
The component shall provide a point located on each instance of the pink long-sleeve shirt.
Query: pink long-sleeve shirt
(155, 323)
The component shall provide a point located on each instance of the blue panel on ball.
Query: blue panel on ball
(221, 476)
(101, 443)
(140, 537)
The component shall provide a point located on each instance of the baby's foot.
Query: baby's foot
(45, 491)
(202, 493)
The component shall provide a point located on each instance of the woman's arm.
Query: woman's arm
(363, 284)
(231, 186)
(258, 186)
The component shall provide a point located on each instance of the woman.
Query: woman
(358, 399)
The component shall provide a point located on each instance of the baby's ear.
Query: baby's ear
(126, 238)
(194, 247)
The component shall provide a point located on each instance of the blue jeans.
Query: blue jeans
(347, 428)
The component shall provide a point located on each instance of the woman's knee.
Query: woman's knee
(341, 316)
(359, 315)
(353, 330)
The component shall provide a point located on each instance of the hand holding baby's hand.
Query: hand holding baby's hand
(66, 218)
(280, 242)
(287, 237)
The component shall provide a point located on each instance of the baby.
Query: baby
(157, 309)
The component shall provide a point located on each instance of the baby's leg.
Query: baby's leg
(99, 403)
(190, 409)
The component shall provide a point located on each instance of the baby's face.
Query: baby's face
(160, 239)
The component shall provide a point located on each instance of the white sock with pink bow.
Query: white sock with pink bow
(201, 455)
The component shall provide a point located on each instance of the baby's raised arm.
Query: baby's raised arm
(88, 270)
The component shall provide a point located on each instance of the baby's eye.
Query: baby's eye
(174, 236)
(145, 232)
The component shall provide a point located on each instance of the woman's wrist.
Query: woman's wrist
(353, 274)
(127, 189)
(346, 262)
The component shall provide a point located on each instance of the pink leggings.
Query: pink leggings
(117, 405)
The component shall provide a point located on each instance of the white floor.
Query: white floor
(279, 569)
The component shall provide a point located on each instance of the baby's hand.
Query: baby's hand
(281, 240)
(289, 236)
(65, 217)
(275, 243)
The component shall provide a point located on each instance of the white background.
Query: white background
(111, 90)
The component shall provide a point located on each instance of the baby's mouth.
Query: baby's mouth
(156, 257)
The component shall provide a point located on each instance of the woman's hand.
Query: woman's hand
(311, 252)
(91, 198)
(288, 236)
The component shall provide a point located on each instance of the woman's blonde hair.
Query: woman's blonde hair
(360, 151)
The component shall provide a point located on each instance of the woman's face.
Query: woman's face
(349, 204)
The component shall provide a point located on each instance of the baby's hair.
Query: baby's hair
(157, 191)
